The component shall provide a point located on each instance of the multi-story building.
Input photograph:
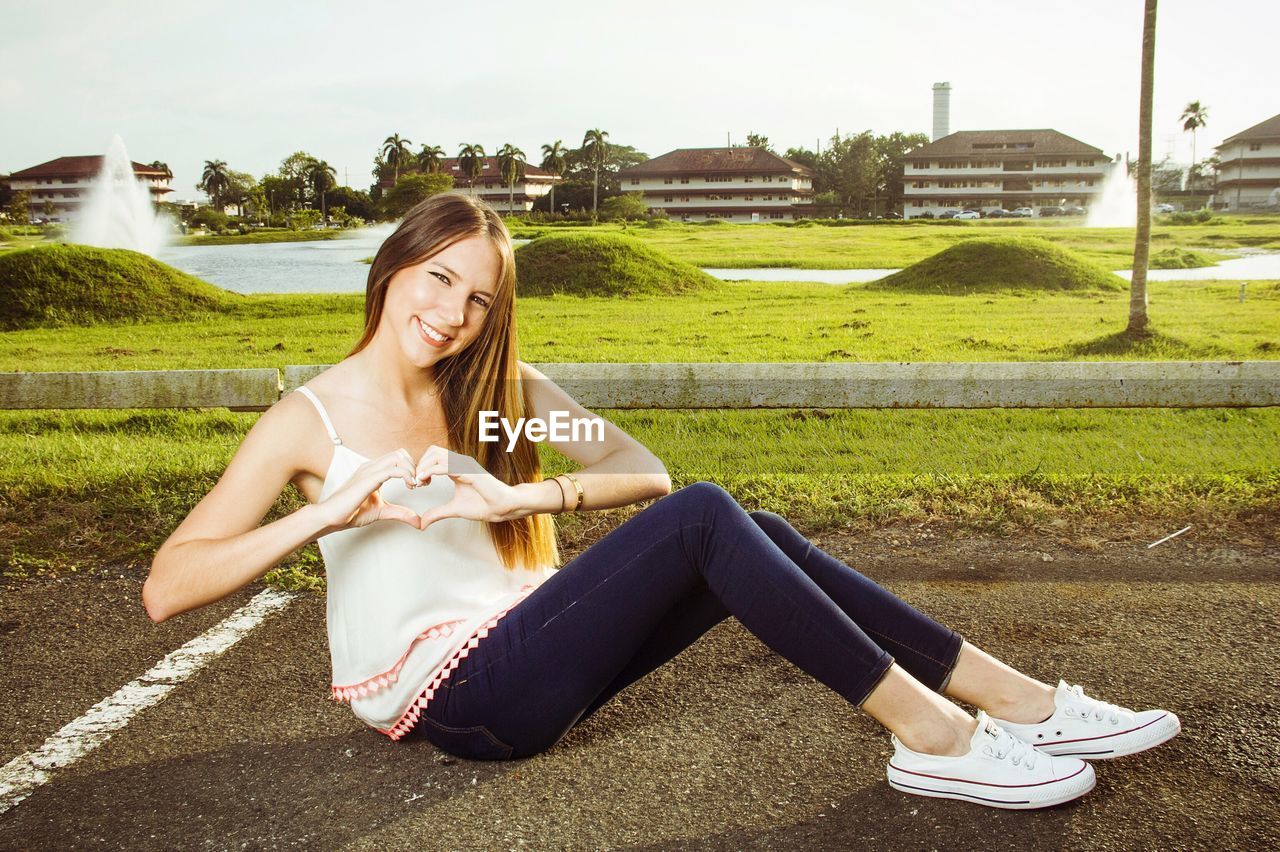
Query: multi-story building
(63, 184)
(1249, 168)
(989, 169)
(743, 184)
(490, 188)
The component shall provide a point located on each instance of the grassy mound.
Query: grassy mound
(80, 285)
(1176, 258)
(986, 264)
(603, 265)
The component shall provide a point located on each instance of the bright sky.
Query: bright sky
(251, 82)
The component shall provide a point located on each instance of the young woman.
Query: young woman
(447, 618)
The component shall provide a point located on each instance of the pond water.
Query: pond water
(333, 266)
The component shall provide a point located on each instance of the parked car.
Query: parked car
(967, 214)
(997, 213)
(1053, 211)
(1021, 213)
(1165, 208)
(1076, 211)
(927, 214)
(948, 214)
(892, 215)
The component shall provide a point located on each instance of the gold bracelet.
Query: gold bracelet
(560, 488)
(577, 485)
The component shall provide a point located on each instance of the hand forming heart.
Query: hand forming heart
(478, 494)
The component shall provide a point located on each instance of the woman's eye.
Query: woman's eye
(481, 302)
(441, 277)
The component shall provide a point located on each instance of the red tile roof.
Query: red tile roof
(77, 167)
(964, 143)
(743, 160)
(1269, 129)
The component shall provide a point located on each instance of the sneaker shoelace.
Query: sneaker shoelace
(1016, 751)
(1086, 707)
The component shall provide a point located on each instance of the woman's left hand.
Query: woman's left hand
(478, 495)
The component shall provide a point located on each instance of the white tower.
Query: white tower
(941, 110)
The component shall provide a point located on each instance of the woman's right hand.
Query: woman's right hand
(359, 502)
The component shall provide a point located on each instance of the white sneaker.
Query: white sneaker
(1000, 771)
(1093, 730)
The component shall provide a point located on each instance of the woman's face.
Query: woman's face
(445, 296)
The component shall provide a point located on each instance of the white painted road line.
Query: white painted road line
(27, 771)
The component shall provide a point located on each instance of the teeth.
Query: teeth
(431, 333)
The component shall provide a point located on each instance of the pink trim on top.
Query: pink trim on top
(410, 716)
(385, 679)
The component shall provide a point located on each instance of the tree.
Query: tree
(162, 166)
(356, 203)
(397, 152)
(471, 164)
(214, 181)
(849, 169)
(430, 158)
(553, 162)
(1138, 322)
(20, 207)
(411, 190)
(511, 163)
(596, 149)
(1194, 116)
(240, 187)
(630, 205)
(293, 171)
(322, 177)
(891, 156)
(758, 140)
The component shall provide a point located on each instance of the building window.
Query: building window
(1255, 146)
(635, 181)
(668, 198)
(666, 180)
(1085, 163)
(747, 179)
(767, 178)
(748, 198)
(684, 180)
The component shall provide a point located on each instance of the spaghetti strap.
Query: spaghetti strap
(324, 415)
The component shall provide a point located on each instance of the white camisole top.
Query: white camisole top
(404, 606)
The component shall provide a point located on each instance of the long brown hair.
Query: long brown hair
(483, 376)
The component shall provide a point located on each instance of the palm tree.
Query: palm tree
(596, 149)
(1142, 242)
(511, 163)
(322, 177)
(471, 164)
(397, 152)
(553, 161)
(1195, 116)
(430, 158)
(164, 167)
(215, 181)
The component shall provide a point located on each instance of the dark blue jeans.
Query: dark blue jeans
(645, 592)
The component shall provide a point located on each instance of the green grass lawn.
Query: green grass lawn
(101, 486)
(738, 322)
(897, 246)
(84, 488)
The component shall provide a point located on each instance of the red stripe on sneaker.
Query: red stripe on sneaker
(1105, 736)
(987, 783)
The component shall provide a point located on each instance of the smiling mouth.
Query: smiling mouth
(432, 335)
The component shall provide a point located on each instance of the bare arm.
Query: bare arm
(219, 547)
(617, 471)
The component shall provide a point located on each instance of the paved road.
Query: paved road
(726, 747)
